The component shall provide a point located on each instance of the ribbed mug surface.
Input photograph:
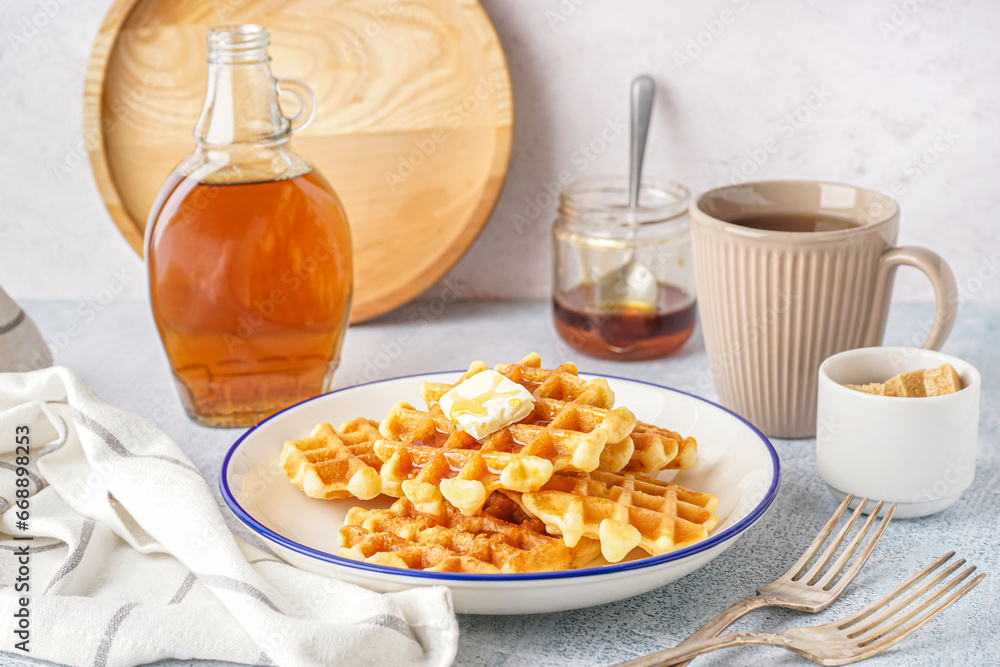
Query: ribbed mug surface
(774, 305)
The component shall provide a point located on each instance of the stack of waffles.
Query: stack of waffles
(572, 480)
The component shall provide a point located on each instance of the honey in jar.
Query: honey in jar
(623, 283)
(625, 331)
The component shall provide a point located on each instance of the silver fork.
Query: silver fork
(810, 590)
(860, 635)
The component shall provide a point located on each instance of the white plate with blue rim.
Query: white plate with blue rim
(735, 461)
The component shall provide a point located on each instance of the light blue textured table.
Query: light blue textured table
(119, 355)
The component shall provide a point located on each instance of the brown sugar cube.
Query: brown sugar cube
(906, 384)
(942, 380)
(871, 388)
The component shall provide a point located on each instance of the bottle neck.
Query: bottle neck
(241, 105)
(242, 135)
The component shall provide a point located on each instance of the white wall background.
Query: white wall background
(905, 96)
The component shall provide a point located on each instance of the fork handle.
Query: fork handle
(681, 654)
(715, 626)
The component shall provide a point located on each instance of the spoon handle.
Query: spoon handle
(643, 89)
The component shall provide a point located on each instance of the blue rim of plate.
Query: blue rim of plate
(708, 543)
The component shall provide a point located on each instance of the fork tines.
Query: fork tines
(818, 574)
(881, 623)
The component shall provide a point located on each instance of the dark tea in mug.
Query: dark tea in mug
(793, 222)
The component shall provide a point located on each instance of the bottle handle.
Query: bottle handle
(306, 99)
(945, 293)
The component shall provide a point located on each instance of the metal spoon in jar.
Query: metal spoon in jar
(632, 283)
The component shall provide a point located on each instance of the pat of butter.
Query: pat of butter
(485, 403)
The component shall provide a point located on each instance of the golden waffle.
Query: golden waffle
(650, 448)
(336, 463)
(569, 432)
(559, 384)
(623, 511)
(659, 448)
(617, 455)
(429, 460)
(465, 477)
(654, 448)
(401, 536)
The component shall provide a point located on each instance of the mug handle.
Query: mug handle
(945, 292)
(306, 99)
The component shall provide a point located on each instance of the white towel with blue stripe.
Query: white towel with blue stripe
(114, 547)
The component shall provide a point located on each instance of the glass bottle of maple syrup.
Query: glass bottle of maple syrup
(623, 284)
(248, 248)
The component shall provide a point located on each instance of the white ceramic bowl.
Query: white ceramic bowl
(735, 461)
(917, 452)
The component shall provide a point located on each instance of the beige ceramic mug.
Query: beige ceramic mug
(775, 304)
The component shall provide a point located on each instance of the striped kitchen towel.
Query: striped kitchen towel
(129, 559)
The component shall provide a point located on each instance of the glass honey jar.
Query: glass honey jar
(248, 248)
(623, 284)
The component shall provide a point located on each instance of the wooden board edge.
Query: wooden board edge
(93, 89)
(457, 249)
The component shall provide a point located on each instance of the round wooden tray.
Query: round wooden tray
(413, 126)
